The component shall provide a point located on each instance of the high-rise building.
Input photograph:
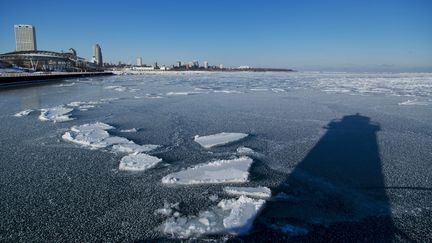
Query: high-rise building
(205, 64)
(97, 55)
(25, 37)
(139, 61)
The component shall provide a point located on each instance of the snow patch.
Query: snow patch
(218, 139)
(219, 171)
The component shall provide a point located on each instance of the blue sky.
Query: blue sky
(304, 34)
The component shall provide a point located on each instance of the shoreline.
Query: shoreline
(35, 78)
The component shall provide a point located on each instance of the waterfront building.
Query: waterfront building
(25, 37)
(97, 55)
(195, 64)
(206, 64)
(139, 61)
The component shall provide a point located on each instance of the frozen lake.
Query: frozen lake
(255, 156)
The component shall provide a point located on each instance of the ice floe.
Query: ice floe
(168, 209)
(116, 88)
(129, 130)
(132, 147)
(23, 113)
(56, 114)
(227, 91)
(65, 84)
(182, 93)
(219, 171)
(413, 102)
(84, 105)
(245, 150)
(138, 162)
(93, 135)
(218, 139)
(233, 216)
(262, 192)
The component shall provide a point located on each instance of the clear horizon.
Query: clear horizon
(313, 35)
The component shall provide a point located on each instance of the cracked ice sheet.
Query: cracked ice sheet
(218, 171)
(233, 216)
(219, 139)
(56, 114)
(263, 192)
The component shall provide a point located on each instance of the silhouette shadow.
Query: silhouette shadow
(335, 194)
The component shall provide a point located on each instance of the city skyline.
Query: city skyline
(336, 35)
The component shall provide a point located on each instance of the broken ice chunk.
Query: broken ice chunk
(263, 192)
(133, 148)
(219, 171)
(218, 139)
(23, 113)
(138, 162)
(56, 114)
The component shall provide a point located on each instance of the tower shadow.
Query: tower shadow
(335, 194)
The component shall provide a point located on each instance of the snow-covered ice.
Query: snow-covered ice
(138, 162)
(263, 192)
(219, 139)
(233, 216)
(23, 113)
(56, 114)
(219, 171)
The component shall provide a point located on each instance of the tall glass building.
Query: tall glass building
(97, 55)
(25, 37)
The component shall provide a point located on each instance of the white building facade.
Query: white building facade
(25, 37)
